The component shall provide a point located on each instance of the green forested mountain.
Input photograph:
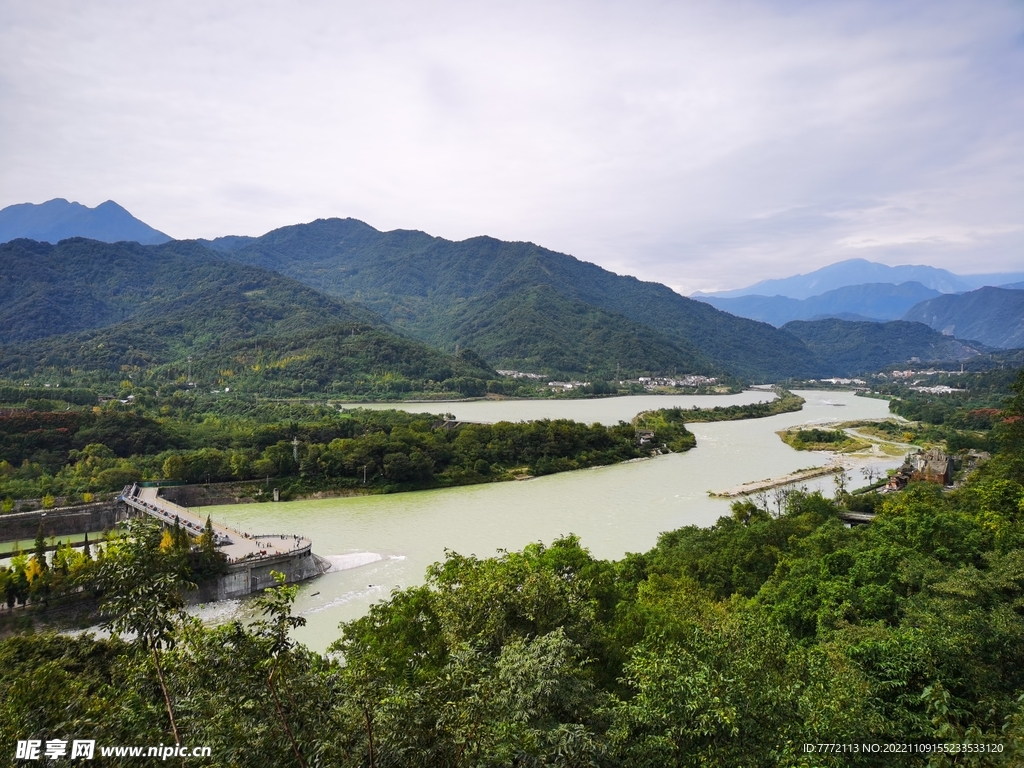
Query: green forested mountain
(477, 291)
(83, 305)
(849, 347)
(993, 316)
(537, 327)
(81, 285)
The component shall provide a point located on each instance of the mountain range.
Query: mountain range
(869, 301)
(993, 316)
(521, 305)
(285, 307)
(861, 271)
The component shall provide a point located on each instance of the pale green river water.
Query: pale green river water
(386, 542)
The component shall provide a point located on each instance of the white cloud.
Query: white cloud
(699, 144)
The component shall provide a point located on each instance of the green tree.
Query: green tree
(39, 551)
(142, 595)
(208, 540)
(273, 631)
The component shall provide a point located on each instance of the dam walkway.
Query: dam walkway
(236, 545)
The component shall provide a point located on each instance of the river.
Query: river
(386, 542)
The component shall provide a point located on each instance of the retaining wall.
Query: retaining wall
(208, 495)
(61, 521)
(253, 575)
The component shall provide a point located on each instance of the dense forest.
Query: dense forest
(864, 347)
(97, 314)
(731, 645)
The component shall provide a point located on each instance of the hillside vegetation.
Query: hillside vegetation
(101, 313)
(859, 347)
(993, 316)
(445, 292)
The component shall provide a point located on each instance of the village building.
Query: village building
(644, 436)
(932, 466)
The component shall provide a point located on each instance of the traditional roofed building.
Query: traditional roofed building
(932, 466)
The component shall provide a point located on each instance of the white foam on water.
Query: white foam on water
(215, 612)
(345, 598)
(352, 560)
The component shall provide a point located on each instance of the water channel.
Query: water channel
(384, 542)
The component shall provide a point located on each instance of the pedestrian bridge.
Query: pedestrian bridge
(236, 545)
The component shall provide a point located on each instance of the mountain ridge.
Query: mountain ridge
(58, 219)
(521, 305)
(846, 273)
(83, 307)
(417, 281)
(860, 347)
(993, 316)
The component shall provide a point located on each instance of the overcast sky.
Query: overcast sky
(704, 145)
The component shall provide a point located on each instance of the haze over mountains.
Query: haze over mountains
(299, 295)
(992, 314)
(869, 301)
(861, 271)
(56, 220)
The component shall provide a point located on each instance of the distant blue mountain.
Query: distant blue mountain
(871, 301)
(57, 220)
(995, 280)
(846, 273)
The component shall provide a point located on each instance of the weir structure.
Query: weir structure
(251, 558)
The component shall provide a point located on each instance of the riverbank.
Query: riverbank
(784, 402)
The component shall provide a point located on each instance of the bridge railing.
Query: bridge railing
(255, 556)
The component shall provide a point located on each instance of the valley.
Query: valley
(479, 440)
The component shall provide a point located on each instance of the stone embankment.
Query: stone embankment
(775, 482)
(246, 492)
(251, 558)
